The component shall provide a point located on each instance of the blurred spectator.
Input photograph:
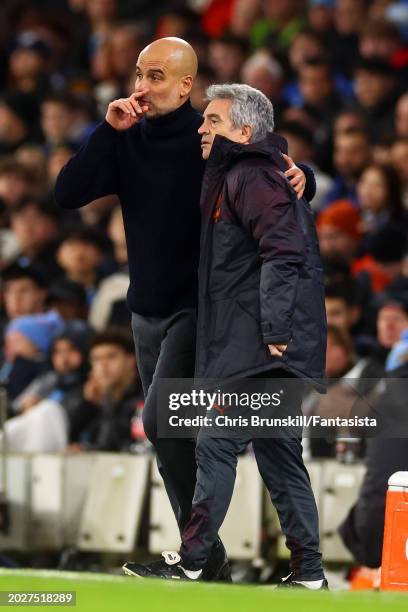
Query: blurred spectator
(18, 120)
(384, 261)
(307, 45)
(57, 118)
(33, 158)
(112, 394)
(16, 182)
(282, 20)
(339, 353)
(349, 18)
(243, 15)
(401, 117)
(376, 93)
(101, 15)
(340, 362)
(392, 319)
(57, 158)
(109, 304)
(321, 15)
(205, 77)
(125, 45)
(69, 299)
(80, 254)
(8, 241)
(353, 394)
(348, 121)
(399, 158)
(114, 61)
(264, 73)
(398, 355)
(302, 148)
(351, 155)
(23, 291)
(338, 231)
(36, 227)
(341, 309)
(226, 56)
(320, 99)
(180, 21)
(380, 199)
(28, 340)
(28, 63)
(379, 38)
(46, 406)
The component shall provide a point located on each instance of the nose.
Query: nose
(141, 85)
(202, 129)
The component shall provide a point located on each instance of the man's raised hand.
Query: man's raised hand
(296, 176)
(122, 114)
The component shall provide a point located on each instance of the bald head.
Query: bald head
(176, 52)
(164, 73)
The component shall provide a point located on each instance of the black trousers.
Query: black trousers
(165, 348)
(281, 466)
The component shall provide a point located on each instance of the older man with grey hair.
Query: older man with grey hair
(261, 315)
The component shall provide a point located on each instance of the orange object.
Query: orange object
(394, 568)
(365, 579)
(379, 279)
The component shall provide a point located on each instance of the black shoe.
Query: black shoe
(290, 582)
(217, 568)
(168, 568)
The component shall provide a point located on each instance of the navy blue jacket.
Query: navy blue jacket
(260, 274)
(156, 169)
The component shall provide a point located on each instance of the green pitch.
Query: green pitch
(105, 593)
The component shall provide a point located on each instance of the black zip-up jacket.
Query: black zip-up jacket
(260, 273)
(156, 169)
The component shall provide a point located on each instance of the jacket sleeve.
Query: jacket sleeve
(92, 172)
(265, 207)
(310, 187)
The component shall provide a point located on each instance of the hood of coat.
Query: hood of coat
(225, 152)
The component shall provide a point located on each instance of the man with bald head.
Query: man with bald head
(147, 151)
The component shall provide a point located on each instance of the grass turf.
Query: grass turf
(101, 592)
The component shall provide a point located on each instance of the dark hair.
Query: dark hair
(342, 291)
(88, 235)
(380, 28)
(393, 186)
(318, 62)
(374, 65)
(298, 130)
(354, 132)
(307, 31)
(231, 40)
(116, 336)
(389, 243)
(15, 272)
(44, 206)
(60, 97)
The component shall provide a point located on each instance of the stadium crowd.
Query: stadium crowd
(337, 74)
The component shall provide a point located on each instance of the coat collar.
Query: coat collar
(225, 152)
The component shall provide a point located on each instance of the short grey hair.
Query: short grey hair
(249, 107)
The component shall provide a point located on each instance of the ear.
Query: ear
(246, 134)
(185, 86)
